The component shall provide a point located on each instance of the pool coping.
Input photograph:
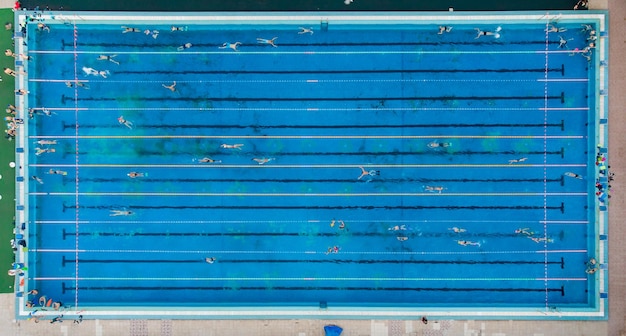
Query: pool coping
(360, 312)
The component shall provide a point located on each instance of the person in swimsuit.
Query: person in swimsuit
(305, 31)
(109, 58)
(170, 87)
(136, 174)
(130, 30)
(262, 161)
(370, 173)
(495, 33)
(467, 243)
(125, 122)
(235, 146)
(120, 213)
(266, 41)
(232, 46)
(444, 29)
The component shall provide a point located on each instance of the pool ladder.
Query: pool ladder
(324, 25)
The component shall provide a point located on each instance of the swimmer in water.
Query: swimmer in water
(109, 58)
(178, 28)
(263, 160)
(266, 41)
(209, 160)
(40, 181)
(541, 239)
(554, 29)
(39, 151)
(563, 42)
(130, 30)
(120, 213)
(155, 33)
(184, 46)
(235, 146)
(210, 260)
(520, 160)
(467, 243)
(457, 229)
(444, 29)
(576, 176)
(136, 174)
(57, 172)
(397, 228)
(232, 46)
(370, 173)
(524, 231)
(402, 238)
(170, 87)
(125, 122)
(495, 33)
(342, 225)
(334, 249)
(332, 223)
(46, 142)
(437, 144)
(302, 31)
(437, 189)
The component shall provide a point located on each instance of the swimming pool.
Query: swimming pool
(354, 166)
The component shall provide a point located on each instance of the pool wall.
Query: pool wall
(597, 241)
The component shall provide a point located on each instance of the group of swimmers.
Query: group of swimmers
(13, 123)
(525, 232)
(42, 300)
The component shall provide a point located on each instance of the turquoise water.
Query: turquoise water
(317, 107)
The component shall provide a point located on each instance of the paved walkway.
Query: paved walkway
(617, 265)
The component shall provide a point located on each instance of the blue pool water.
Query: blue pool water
(319, 107)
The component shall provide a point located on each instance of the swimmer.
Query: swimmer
(332, 223)
(438, 189)
(104, 74)
(586, 28)
(125, 122)
(263, 160)
(69, 84)
(235, 146)
(554, 29)
(40, 181)
(120, 213)
(495, 33)
(136, 174)
(130, 30)
(184, 46)
(542, 239)
(82, 85)
(305, 31)
(42, 301)
(266, 41)
(457, 229)
(520, 160)
(563, 42)
(232, 46)
(576, 176)
(108, 58)
(402, 238)
(57, 172)
(170, 87)
(397, 228)
(210, 260)
(524, 231)
(437, 144)
(175, 28)
(90, 71)
(334, 249)
(57, 305)
(155, 33)
(342, 225)
(39, 151)
(444, 29)
(209, 160)
(370, 173)
(467, 243)
(43, 27)
(21, 92)
(33, 292)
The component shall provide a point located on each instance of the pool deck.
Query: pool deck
(617, 265)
